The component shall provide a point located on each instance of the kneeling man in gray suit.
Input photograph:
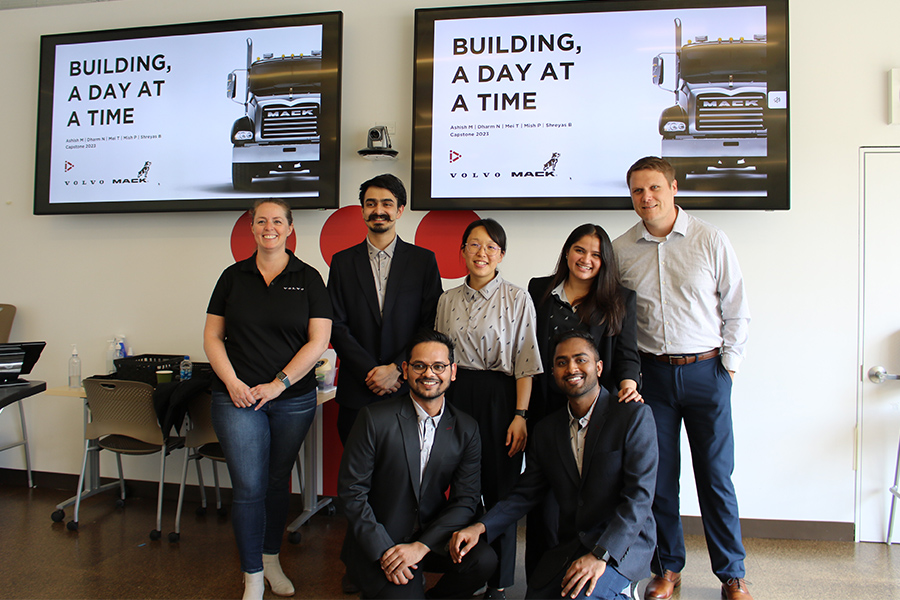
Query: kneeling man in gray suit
(410, 476)
(599, 458)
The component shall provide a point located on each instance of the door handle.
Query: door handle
(879, 374)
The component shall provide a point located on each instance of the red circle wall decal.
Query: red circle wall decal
(242, 243)
(344, 228)
(441, 232)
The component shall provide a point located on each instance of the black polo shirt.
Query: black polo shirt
(265, 326)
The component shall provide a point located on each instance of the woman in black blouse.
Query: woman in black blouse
(584, 293)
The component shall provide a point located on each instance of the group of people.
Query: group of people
(588, 374)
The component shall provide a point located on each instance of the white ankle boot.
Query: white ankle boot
(279, 582)
(254, 586)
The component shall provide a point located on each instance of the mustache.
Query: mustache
(374, 217)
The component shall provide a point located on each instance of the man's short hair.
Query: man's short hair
(429, 335)
(652, 163)
(575, 333)
(385, 181)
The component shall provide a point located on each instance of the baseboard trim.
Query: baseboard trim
(750, 528)
(67, 482)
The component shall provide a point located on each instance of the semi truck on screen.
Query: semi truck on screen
(719, 117)
(279, 131)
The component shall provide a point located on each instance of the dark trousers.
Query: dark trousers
(490, 398)
(699, 395)
(459, 580)
(546, 580)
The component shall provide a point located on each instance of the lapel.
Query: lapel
(409, 431)
(598, 419)
(398, 268)
(366, 279)
(564, 447)
(441, 446)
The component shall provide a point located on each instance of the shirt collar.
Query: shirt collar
(294, 263)
(487, 291)
(560, 292)
(680, 227)
(421, 415)
(586, 419)
(389, 250)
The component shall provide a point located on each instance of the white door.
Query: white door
(879, 404)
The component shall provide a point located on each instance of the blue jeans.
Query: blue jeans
(260, 448)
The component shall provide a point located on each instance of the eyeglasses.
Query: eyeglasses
(436, 368)
(473, 248)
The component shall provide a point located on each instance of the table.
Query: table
(307, 463)
(15, 393)
(92, 485)
(308, 470)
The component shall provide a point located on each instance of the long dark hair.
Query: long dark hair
(603, 302)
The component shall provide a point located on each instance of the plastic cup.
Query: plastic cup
(164, 376)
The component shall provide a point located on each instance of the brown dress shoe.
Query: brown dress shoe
(736, 589)
(661, 587)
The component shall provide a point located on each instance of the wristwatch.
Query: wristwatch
(522, 412)
(601, 553)
(283, 379)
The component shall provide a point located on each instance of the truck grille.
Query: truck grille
(742, 113)
(283, 122)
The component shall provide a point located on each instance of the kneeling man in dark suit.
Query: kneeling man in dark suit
(402, 457)
(599, 458)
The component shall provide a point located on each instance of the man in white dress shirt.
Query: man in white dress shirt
(693, 319)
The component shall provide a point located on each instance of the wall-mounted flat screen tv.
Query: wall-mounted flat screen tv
(199, 116)
(546, 105)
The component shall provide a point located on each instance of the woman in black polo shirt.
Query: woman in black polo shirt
(268, 322)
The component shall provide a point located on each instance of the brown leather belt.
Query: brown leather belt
(682, 359)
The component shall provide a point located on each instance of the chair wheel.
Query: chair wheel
(72, 525)
(222, 511)
(174, 537)
(294, 537)
(120, 503)
(58, 515)
(331, 510)
(155, 534)
(201, 510)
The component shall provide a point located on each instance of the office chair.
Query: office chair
(123, 421)
(7, 314)
(200, 442)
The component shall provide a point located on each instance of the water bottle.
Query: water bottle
(111, 357)
(74, 369)
(187, 368)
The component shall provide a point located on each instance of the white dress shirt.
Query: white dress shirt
(380, 261)
(690, 291)
(427, 426)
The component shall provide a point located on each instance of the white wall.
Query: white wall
(82, 279)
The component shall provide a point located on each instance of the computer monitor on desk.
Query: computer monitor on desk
(18, 359)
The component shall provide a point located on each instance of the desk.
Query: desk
(307, 464)
(15, 393)
(308, 470)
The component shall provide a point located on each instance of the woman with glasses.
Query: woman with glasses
(584, 293)
(492, 324)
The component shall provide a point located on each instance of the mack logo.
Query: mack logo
(532, 174)
(731, 104)
(305, 112)
(141, 178)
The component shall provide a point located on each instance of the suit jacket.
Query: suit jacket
(610, 503)
(619, 353)
(379, 490)
(360, 335)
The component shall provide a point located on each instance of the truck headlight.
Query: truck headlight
(674, 126)
(243, 136)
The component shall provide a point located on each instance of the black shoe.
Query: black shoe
(347, 586)
(494, 594)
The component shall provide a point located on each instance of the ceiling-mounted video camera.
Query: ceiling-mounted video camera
(378, 144)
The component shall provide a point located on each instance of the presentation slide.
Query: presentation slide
(150, 119)
(560, 105)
